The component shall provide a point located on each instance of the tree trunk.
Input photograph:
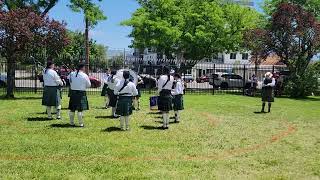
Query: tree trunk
(87, 45)
(11, 78)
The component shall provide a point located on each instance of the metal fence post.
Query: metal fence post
(272, 69)
(35, 79)
(244, 80)
(213, 77)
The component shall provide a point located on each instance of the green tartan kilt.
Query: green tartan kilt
(165, 101)
(104, 90)
(51, 96)
(178, 102)
(267, 95)
(112, 98)
(78, 101)
(124, 106)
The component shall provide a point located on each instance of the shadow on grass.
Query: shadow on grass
(19, 98)
(40, 113)
(106, 117)
(259, 112)
(112, 129)
(39, 119)
(154, 112)
(171, 122)
(151, 127)
(63, 126)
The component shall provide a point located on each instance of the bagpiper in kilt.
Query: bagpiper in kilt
(125, 91)
(267, 94)
(105, 79)
(79, 82)
(112, 82)
(177, 92)
(52, 90)
(165, 84)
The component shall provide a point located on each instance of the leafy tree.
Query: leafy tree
(190, 28)
(41, 7)
(93, 14)
(312, 6)
(294, 35)
(22, 30)
(76, 49)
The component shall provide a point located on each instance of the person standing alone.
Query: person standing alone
(79, 82)
(267, 91)
(52, 90)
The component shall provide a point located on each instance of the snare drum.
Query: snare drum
(154, 103)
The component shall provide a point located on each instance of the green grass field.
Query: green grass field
(220, 137)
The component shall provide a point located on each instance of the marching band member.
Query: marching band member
(267, 91)
(125, 90)
(79, 82)
(165, 83)
(51, 93)
(104, 93)
(113, 81)
(177, 92)
(137, 98)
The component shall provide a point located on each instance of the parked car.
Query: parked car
(187, 77)
(95, 82)
(3, 80)
(225, 81)
(202, 79)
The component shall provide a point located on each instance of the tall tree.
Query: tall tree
(41, 7)
(294, 35)
(192, 28)
(92, 15)
(21, 31)
(312, 6)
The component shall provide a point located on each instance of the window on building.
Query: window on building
(245, 56)
(233, 56)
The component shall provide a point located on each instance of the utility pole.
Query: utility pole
(87, 60)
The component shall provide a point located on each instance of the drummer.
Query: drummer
(112, 82)
(137, 98)
(165, 84)
(125, 90)
(104, 93)
(177, 92)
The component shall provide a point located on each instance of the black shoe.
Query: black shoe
(164, 128)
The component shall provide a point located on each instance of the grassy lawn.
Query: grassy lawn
(220, 137)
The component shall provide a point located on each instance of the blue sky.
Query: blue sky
(108, 32)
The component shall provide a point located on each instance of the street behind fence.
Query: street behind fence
(199, 77)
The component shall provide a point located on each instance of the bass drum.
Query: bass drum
(133, 75)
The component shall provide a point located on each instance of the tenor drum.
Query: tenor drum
(154, 103)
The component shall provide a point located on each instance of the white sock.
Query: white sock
(113, 111)
(58, 110)
(71, 116)
(80, 118)
(49, 111)
(177, 115)
(107, 101)
(168, 119)
(122, 119)
(164, 116)
(127, 122)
